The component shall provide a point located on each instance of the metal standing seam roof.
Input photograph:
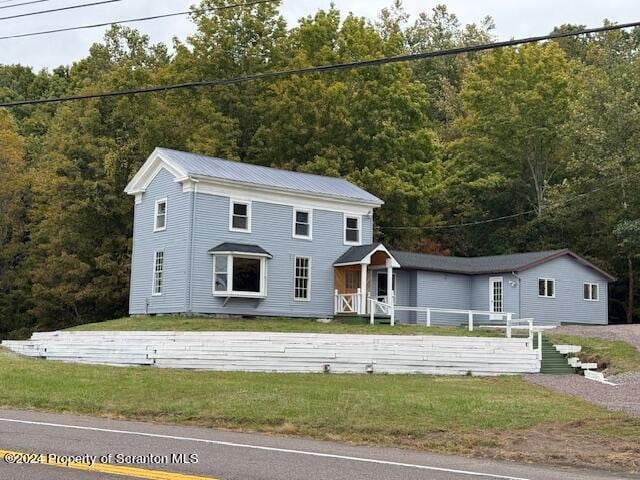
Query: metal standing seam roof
(213, 167)
(485, 265)
(227, 247)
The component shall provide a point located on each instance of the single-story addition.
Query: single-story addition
(213, 236)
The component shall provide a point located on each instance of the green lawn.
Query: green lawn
(202, 324)
(498, 417)
(614, 355)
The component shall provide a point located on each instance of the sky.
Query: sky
(513, 19)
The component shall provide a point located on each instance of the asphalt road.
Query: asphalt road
(225, 455)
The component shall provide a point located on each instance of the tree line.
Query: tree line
(544, 137)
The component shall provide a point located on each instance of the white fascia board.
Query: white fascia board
(261, 193)
(150, 168)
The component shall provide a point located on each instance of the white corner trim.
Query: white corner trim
(232, 202)
(293, 226)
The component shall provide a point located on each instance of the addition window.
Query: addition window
(160, 215)
(352, 230)
(158, 272)
(239, 275)
(352, 279)
(591, 292)
(546, 287)
(240, 216)
(302, 279)
(302, 223)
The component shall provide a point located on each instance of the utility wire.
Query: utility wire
(132, 20)
(21, 4)
(323, 68)
(61, 9)
(438, 226)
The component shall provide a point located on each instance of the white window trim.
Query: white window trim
(232, 202)
(155, 215)
(230, 292)
(293, 230)
(344, 229)
(298, 299)
(591, 284)
(492, 280)
(153, 274)
(545, 288)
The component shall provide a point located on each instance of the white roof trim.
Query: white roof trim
(150, 168)
(367, 259)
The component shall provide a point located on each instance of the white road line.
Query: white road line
(271, 449)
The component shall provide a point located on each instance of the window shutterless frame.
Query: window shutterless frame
(157, 281)
(160, 215)
(299, 223)
(238, 215)
(352, 233)
(591, 292)
(302, 279)
(546, 285)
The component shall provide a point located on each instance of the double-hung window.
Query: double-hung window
(352, 227)
(591, 292)
(158, 272)
(240, 216)
(302, 223)
(546, 287)
(160, 215)
(239, 275)
(302, 279)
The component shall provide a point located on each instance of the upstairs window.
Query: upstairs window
(302, 279)
(352, 230)
(591, 292)
(302, 223)
(240, 216)
(546, 287)
(160, 215)
(158, 272)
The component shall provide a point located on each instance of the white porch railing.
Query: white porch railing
(377, 307)
(348, 302)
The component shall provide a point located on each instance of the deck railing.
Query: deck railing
(347, 302)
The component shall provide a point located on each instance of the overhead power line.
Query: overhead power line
(322, 68)
(439, 226)
(22, 4)
(133, 20)
(61, 9)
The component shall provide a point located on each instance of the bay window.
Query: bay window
(239, 275)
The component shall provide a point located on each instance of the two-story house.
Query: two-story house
(213, 236)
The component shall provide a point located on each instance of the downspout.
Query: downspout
(519, 294)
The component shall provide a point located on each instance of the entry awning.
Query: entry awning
(229, 248)
(362, 254)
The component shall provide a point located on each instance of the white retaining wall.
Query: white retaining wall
(286, 352)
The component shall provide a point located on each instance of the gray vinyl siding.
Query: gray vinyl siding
(480, 293)
(173, 241)
(443, 290)
(568, 306)
(271, 229)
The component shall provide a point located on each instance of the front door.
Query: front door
(496, 295)
(382, 286)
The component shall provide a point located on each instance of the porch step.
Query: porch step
(363, 319)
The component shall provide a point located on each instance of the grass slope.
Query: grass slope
(202, 324)
(503, 417)
(615, 356)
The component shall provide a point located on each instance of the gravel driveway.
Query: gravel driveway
(624, 397)
(628, 333)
